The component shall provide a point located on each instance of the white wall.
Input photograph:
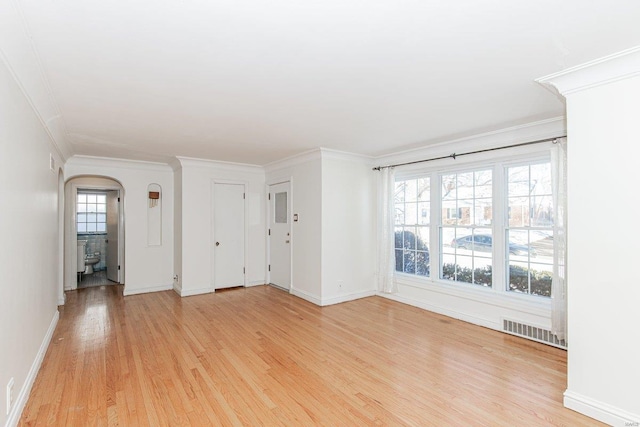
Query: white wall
(147, 268)
(603, 101)
(29, 249)
(604, 292)
(196, 179)
(348, 227)
(305, 174)
(484, 307)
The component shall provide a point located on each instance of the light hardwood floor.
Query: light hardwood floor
(261, 357)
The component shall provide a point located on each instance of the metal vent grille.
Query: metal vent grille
(533, 333)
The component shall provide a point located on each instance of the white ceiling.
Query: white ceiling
(254, 81)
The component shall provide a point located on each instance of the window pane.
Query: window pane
(449, 212)
(422, 238)
(422, 263)
(101, 218)
(101, 198)
(409, 261)
(411, 191)
(82, 217)
(91, 198)
(464, 212)
(423, 189)
(530, 251)
(82, 198)
(91, 207)
(91, 217)
(409, 237)
(465, 185)
(518, 212)
(91, 227)
(281, 208)
(82, 207)
(82, 227)
(424, 213)
(542, 211)
(449, 187)
(102, 227)
(101, 208)
(541, 179)
(483, 212)
(411, 213)
(518, 181)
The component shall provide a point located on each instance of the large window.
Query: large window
(412, 219)
(492, 226)
(91, 213)
(465, 229)
(530, 228)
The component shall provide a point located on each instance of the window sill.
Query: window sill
(532, 304)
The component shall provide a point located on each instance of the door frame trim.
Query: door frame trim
(245, 186)
(268, 215)
(71, 235)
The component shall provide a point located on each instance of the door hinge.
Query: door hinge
(269, 267)
(269, 232)
(118, 268)
(269, 196)
(118, 199)
(244, 270)
(244, 196)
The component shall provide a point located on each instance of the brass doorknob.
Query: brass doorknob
(217, 243)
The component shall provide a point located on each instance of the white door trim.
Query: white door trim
(71, 234)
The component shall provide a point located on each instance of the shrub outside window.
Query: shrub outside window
(412, 223)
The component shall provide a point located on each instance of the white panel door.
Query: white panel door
(113, 213)
(228, 235)
(280, 235)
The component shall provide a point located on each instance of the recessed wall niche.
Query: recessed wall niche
(154, 215)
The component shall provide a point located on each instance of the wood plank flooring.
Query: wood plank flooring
(261, 357)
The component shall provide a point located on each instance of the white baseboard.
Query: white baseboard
(23, 396)
(347, 297)
(306, 296)
(199, 291)
(128, 291)
(255, 283)
(444, 311)
(600, 411)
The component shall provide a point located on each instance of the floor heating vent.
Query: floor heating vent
(533, 333)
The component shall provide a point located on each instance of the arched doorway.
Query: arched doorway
(94, 232)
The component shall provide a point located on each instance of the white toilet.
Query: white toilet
(90, 260)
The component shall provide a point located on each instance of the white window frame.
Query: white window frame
(498, 163)
(78, 213)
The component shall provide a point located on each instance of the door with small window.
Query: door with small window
(280, 235)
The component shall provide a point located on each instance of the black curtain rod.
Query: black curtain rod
(454, 155)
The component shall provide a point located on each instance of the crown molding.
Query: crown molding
(297, 159)
(328, 153)
(609, 69)
(110, 162)
(182, 162)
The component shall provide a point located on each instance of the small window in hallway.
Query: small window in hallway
(92, 213)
